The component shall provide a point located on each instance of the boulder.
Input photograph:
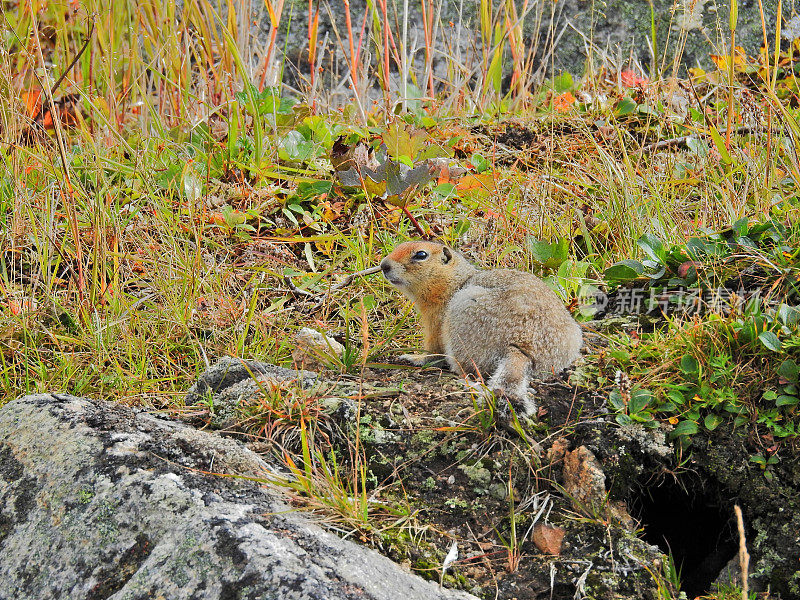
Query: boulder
(100, 501)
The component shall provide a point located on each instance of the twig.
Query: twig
(67, 190)
(319, 299)
(681, 141)
(296, 290)
(349, 279)
(414, 222)
(74, 60)
(744, 557)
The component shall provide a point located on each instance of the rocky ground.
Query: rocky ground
(120, 503)
(571, 504)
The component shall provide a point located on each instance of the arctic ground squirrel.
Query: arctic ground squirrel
(504, 325)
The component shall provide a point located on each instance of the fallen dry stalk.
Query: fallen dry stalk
(744, 557)
(320, 299)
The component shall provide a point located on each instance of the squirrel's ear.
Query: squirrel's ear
(448, 255)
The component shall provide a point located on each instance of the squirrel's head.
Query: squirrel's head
(425, 270)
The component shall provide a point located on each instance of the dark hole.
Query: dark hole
(694, 524)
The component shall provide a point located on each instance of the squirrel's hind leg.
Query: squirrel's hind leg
(511, 378)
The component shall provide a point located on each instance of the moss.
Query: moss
(479, 477)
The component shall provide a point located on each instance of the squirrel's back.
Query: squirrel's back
(501, 308)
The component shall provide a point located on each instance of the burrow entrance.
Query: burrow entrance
(690, 520)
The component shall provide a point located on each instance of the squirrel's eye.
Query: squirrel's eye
(420, 255)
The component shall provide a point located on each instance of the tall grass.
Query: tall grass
(109, 237)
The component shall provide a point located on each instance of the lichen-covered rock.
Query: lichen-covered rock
(230, 381)
(98, 501)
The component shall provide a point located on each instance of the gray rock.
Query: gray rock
(229, 371)
(232, 380)
(98, 501)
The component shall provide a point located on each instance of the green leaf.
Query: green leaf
(369, 302)
(784, 400)
(788, 315)
(615, 400)
(494, 74)
(685, 428)
(295, 148)
(770, 340)
(480, 163)
(711, 421)
(642, 417)
(653, 247)
(696, 145)
(676, 397)
(563, 82)
(551, 255)
(639, 400)
(623, 419)
(311, 189)
(720, 145)
(789, 370)
(626, 270)
(740, 227)
(689, 365)
(625, 107)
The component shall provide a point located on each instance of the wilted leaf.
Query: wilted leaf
(722, 61)
(564, 102)
(192, 186)
(631, 79)
(402, 140)
(712, 421)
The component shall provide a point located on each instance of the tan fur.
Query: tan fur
(502, 324)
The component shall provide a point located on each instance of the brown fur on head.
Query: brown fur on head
(425, 271)
(428, 273)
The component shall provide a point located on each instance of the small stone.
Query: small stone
(555, 455)
(548, 539)
(314, 349)
(584, 480)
